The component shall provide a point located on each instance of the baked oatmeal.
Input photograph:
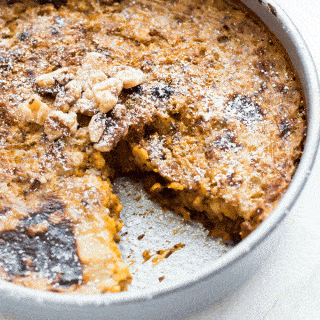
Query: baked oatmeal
(196, 98)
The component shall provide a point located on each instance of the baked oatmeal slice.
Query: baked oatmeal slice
(59, 217)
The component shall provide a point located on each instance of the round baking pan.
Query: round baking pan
(224, 275)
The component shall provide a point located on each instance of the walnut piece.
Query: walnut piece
(65, 99)
(34, 110)
(62, 76)
(106, 131)
(106, 93)
(112, 84)
(96, 127)
(60, 124)
(90, 77)
(130, 77)
(85, 106)
(114, 130)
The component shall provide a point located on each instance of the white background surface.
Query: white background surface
(288, 285)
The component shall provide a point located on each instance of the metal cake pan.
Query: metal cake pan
(209, 283)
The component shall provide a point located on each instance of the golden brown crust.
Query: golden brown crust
(197, 94)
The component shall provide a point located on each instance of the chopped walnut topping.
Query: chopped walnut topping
(88, 78)
(82, 136)
(96, 127)
(112, 84)
(106, 100)
(62, 76)
(59, 124)
(119, 111)
(74, 88)
(130, 77)
(34, 110)
(106, 131)
(113, 131)
(95, 87)
(74, 158)
(88, 94)
(85, 106)
(92, 90)
(66, 98)
(106, 94)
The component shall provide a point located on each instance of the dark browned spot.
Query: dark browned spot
(24, 36)
(35, 185)
(225, 27)
(285, 127)
(51, 252)
(261, 50)
(83, 120)
(54, 31)
(177, 115)
(164, 92)
(51, 91)
(4, 211)
(282, 88)
(30, 73)
(56, 3)
(161, 278)
(264, 66)
(85, 202)
(138, 90)
(223, 39)
(226, 141)
(34, 43)
(244, 109)
(6, 62)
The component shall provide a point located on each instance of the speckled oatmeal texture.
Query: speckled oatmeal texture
(196, 96)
